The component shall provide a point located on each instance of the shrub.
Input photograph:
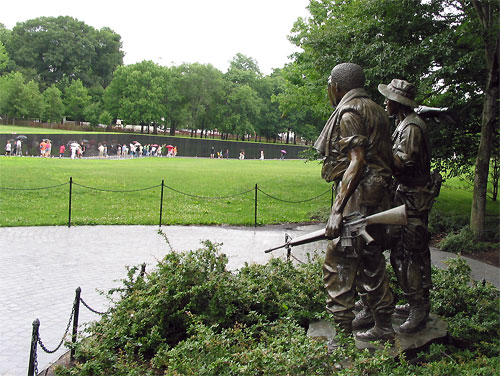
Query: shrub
(191, 316)
(463, 242)
(471, 307)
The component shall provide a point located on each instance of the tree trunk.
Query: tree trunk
(488, 18)
(173, 126)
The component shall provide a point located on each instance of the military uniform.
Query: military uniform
(416, 188)
(358, 122)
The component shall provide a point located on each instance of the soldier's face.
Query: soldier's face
(332, 92)
(391, 107)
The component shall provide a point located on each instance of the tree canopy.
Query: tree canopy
(54, 48)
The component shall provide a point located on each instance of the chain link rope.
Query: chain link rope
(90, 308)
(294, 202)
(32, 189)
(209, 197)
(64, 335)
(116, 191)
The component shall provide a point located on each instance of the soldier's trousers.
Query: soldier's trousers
(411, 257)
(345, 271)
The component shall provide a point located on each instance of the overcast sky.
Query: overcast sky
(173, 32)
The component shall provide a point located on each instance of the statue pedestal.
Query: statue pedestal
(435, 328)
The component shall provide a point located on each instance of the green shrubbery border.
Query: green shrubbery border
(191, 316)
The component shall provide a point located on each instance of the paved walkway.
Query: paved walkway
(42, 267)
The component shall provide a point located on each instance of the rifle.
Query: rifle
(353, 225)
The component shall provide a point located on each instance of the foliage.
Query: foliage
(76, 100)
(191, 316)
(472, 307)
(53, 106)
(105, 118)
(70, 49)
(4, 57)
(465, 242)
(437, 45)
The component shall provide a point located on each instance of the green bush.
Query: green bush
(442, 222)
(470, 307)
(191, 316)
(463, 242)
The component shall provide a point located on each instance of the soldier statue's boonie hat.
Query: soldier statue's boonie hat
(400, 91)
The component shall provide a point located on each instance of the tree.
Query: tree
(136, 94)
(64, 47)
(489, 18)
(34, 100)
(76, 100)
(13, 101)
(202, 89)
(435, 43)
(4, 57)
(53, 106)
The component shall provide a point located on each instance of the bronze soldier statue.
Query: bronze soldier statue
(416, 188)
(356, 146)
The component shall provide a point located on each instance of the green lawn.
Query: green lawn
(14, 129)
(284, 180)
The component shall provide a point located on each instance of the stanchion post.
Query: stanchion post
(76, 306)
(255, 219)
(161, 199)
(70, 192)
(34, 344)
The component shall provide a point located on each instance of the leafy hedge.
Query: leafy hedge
(191, 316)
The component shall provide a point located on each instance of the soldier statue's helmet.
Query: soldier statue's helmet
(347, 76)
(400, 91)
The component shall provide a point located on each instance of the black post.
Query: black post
(143, 270)
(331, 202)
(34, 344)
(76, 306)
(70, 190)
(255, 220)
(161, 200)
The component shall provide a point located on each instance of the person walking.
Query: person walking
(62, 149)
(8, 149)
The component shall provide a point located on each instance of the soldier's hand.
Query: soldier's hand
(333, 225)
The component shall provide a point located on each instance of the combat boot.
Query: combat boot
(363, 319)
(416, 319)
(382, 331)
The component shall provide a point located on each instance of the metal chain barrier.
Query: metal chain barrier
(90, 308)
(62, 340)
(33, 189)
(117, 191)
(294, 202)
(209, 197)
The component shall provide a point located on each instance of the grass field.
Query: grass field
(14, 129)
(284, 180)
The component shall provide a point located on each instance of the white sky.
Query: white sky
(173, 32)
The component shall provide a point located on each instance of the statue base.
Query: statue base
(435, 328)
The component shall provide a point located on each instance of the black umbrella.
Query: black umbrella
(21, 137)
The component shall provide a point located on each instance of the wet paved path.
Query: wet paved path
(42, 267)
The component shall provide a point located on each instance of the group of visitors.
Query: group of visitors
(45, 148)
(14, 148)
(219, 154)
(135, 150)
